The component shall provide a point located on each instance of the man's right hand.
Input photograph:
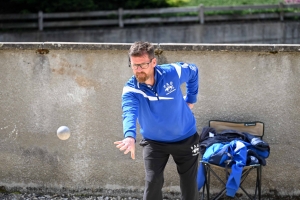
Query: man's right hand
(127, 144)
(190, 105)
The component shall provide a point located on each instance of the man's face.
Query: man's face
(143, 67)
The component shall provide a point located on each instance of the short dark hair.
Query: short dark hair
(140, 48)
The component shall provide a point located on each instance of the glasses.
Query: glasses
(142, 65)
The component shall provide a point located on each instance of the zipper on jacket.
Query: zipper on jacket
(156, 95)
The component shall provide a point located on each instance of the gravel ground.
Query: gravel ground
(60, 197)
(34, 196)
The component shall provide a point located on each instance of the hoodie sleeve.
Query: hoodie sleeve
(130, 112)
(239, 153)
(188, 73)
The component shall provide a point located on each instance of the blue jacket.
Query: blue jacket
(218, 153)
(161, 110)
(239, 151)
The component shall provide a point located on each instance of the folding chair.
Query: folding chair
(255, 128)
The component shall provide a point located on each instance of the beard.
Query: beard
(141, 77)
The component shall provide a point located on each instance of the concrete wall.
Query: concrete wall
(80, 85)
(250, 33)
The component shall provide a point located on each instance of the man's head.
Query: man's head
(140, 48)
(142, 61)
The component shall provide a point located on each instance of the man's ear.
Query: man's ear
(154, 61)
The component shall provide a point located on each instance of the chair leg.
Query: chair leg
(243, 178)
(209, 171)
(259, 171)
(247, 193)
(220, 194)
(203, 191)
(223, 191)
(208, 181)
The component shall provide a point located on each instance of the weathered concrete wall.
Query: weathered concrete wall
(250, 33)
(80, 85)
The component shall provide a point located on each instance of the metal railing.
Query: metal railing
(198, 14)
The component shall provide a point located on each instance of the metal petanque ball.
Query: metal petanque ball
(63, 133)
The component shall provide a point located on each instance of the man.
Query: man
(153, 98)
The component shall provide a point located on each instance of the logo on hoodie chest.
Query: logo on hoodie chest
(169, 88)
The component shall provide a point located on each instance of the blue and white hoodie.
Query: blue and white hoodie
(161, 110)
(218, 153)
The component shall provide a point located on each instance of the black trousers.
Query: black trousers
(185, 154)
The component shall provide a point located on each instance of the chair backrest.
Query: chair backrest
(255, 128)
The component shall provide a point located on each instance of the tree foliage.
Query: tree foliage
(33, 6)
